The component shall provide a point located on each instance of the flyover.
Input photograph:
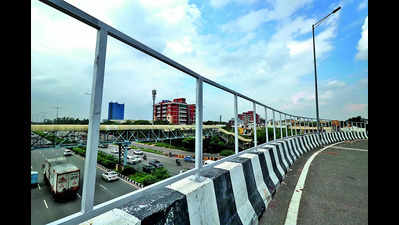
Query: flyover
(233, 190)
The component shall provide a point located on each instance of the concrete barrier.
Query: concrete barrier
(236, 191)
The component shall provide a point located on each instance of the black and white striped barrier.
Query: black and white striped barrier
(236, 191)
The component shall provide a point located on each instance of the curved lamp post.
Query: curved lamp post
(315, 71)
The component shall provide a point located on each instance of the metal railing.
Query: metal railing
(88, 210)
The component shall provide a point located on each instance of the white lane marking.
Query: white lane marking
(38, 185)
(292, 214)
(78, 195)
(45, 203)
(103, 187)
(352, 149)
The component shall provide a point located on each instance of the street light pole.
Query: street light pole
(315, 70)
(154, 93)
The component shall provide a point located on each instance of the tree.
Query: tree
(141, 122)
(161, 122)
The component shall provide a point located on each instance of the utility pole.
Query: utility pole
(57, 107)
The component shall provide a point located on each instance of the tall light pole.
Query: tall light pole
(154, 93)
(315, 70)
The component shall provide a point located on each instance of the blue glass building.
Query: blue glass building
(116, 111)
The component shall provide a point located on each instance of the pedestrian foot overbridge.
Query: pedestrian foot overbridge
(70, 135)
(233, 190)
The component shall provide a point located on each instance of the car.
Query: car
(206, 162)
(156, 163)
(138, 152)
(67, 152)
(189, 158)
(103, 146)
(132, 159)
(110, 176)
(148, 168)
(115, 151)
(182, 171)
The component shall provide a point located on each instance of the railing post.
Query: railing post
(292, 133)
(286, 126)
(198, 130)
(267, 130)
(254, 115)
(281, 128)
(235, 125)
(274, 127)
(89, 176)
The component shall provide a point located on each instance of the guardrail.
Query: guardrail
(88, 210)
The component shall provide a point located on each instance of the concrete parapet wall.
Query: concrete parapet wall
(236, 191)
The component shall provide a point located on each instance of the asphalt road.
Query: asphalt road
(45, 209)
(335, 191)
(168, 162)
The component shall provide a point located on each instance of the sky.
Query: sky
(259, 48)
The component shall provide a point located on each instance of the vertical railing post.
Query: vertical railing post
(267, 130)
(89, 176)
(292, 133)
(274, 127)
(254, 115)
(286, 126)
(198, 129)
(235, 125)
(281, 128)
(300, 125)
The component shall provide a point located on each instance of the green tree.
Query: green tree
(141, 122)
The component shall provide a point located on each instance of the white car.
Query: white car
(115, 151)
(132, 159)
(110, 176)
(208, 162)
(67, 152)
(138, 152)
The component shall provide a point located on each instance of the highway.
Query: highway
(45, 209)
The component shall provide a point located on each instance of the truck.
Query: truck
(62, 177)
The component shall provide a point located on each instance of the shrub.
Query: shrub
(128, 170)
(161, 174)
(227, 152)
(143, 178)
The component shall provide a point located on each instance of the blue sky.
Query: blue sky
(260, 48)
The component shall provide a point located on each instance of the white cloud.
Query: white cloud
(362, 45)
(222, 3)
(252, 20)
(335, 84)
(219, 3)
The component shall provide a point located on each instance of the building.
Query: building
(175, 112)
(116, 111)
(248, 118)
